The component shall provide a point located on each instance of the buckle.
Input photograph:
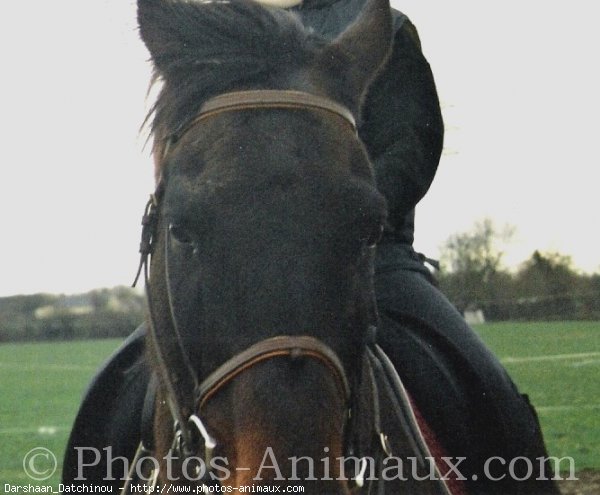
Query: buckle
(198, 435)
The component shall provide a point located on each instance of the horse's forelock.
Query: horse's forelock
(200, 49)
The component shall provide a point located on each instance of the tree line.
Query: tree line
(472, 275)
(544, 287)
(103, 313)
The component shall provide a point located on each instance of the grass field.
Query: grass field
(41, 385)
(557, 364)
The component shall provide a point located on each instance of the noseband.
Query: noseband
(275, 347)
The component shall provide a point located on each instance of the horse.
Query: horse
(261, 236)
(262, 369)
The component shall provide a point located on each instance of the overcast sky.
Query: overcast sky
(518, 82)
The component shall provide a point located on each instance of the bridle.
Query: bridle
(184, 394)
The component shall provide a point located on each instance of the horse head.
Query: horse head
(266, 214)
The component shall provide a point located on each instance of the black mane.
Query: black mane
(200, 49)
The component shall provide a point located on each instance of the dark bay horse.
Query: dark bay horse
(258, 363)
(258, 368)
(262, 232)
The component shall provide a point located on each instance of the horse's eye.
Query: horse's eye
(374, 235)
(180, 234)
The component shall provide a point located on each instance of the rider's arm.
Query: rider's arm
(402, 124)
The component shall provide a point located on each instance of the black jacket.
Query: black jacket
(402, 125)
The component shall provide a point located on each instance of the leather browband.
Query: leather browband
(269, 98)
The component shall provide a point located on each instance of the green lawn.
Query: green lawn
(557, 364)
(42, 384)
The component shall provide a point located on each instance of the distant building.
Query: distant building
(72, 305)
(474, 316)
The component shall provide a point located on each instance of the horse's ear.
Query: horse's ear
(156, 30)
(166, 28)
(355, 56)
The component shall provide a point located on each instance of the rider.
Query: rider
(456, 382)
